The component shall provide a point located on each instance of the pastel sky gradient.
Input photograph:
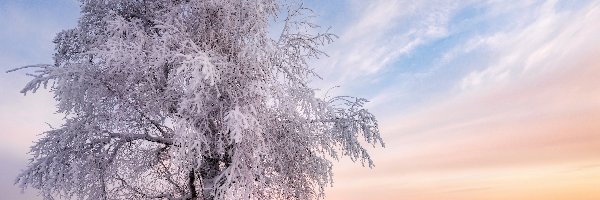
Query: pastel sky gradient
(477, 100)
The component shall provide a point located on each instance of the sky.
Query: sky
(475, 99)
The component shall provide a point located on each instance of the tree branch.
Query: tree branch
(131, 137)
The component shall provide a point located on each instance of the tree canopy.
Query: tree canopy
(192, 99)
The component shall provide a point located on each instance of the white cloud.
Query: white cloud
(526, 49)
(382, 32)
(536, 115)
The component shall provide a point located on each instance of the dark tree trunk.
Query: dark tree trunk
(209, 170)
(192, 185)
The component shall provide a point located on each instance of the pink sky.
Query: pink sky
(524, 123)
(535, 135)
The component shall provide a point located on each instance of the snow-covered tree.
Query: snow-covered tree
(192, 99)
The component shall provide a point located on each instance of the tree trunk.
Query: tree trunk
(192, 186)
(209, 170)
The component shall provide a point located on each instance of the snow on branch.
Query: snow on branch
(192, 100)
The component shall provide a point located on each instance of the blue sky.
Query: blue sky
(475, 98)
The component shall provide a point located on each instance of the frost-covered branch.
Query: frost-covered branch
(192, 100)
(41, 78)
(131, 137)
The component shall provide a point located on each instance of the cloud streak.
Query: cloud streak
(381, 32)
(516, 131)
(476, 100)
(528, 47)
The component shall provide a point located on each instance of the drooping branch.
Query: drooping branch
(131, 137)
(192, 100)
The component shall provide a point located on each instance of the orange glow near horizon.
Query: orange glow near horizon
(519, 119)
(536, 138)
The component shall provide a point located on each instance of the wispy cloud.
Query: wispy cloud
(510, 126)
(476, 100)
(529, 46)
(382, 32)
